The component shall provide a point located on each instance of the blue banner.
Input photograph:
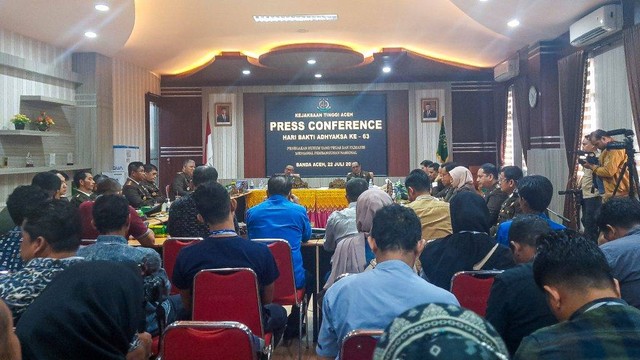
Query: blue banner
(322, 135)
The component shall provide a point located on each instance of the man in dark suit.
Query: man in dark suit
(428, 112)
(223, 117)
(133, 190)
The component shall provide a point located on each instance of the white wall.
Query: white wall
(130, 84)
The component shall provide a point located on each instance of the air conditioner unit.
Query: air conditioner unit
(597, 25)
(506, 70)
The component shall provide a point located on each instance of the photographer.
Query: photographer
(612, 162)
(591, 188)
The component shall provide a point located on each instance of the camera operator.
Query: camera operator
(612, 162)
(591, 190)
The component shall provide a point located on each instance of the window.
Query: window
(508, 144)
(589, 119)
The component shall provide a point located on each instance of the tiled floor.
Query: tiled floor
(283, 352)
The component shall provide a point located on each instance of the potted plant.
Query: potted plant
(44, 122)
(20, 120)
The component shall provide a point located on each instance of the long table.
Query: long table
(320, 203)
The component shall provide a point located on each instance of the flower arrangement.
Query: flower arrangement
(44, 121)
(20, 119)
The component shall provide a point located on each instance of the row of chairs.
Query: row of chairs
(233, 294)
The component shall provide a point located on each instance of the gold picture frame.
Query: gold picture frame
(429, 110)
(223, 115)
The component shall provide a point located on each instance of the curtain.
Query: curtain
(500, 111)
(572, 81)
(631, 39)
(521, 102)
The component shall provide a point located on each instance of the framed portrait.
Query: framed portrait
(223, 114)
(429, 110)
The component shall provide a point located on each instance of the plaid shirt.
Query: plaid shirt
(602, 329)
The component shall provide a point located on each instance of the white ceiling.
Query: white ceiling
(171, 36)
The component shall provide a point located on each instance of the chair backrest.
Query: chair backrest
(359, 344)
(284, 288)
(472, 289)
(207, 340)
(228, 295)
(170, 250)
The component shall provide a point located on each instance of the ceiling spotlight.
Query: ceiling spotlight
(318, 76)
(246, 72)
(386, 69)
(513, 23)
(311, 61)
(102, 7)
(90, 34)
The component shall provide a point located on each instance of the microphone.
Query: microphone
(570, 192)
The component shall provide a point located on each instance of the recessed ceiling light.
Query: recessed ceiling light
(90, 34)
(102, 7)
(484, 0)
(318, 76)
(513, 23)
(246, 72)
(311, 61)
(386, 69)
(294, 18)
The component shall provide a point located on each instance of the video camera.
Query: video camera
(626, 144)
(587, 157)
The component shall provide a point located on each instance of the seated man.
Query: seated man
(83, 180)
(182, 184)
(183, 221)
(447, 181)
(372, 299)
(436, 183)
(343, 223)
(280, 218)
(50, 239)
(516, 306)
(149, 183)
(535, 192)
(582, 293)
(133, 190)
(21, 200)
(357, 172)
(508, 181)
(111, 217)
(619, 223)
(434, 214)
(491, 191)
(224, 249)
(137, 228)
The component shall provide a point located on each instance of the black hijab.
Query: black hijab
(468, 245)
(469, 212)
(92, 310)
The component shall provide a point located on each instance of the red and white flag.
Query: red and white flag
(207, 157)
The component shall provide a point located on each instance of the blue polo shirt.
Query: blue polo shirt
(279, 218)
(371, 300)
(502, 236)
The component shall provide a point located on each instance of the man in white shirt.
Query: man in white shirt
(343, 223)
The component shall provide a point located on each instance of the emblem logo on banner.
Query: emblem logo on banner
(323, 105)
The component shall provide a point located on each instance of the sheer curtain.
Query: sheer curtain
(500, 111)
(571, 79)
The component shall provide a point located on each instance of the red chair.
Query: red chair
(230, 295)
(285, 292)
(207, 340)
(170, 250)
(472, 289)
(359, 344)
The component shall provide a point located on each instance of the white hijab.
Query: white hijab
(460, 176)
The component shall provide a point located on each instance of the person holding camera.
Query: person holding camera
(611, 164)
(590, 186)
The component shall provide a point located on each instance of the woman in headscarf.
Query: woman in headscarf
(353, 254)
(92, 310)
(439, 331)
(469, 247)
(461, 181)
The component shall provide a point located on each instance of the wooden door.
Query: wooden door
(180, 135)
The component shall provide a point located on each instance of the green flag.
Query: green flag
(443, 149)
